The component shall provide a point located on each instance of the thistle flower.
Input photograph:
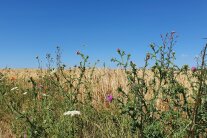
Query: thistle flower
(78, 52)
(172, 34)
(15, 88)
(72, 113)
(193, 69)
(118, 50)
(109, 98)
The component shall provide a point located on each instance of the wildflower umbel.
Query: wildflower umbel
(109, 98)
(15, 88)
(193, 69)
(24, 93)
(72, 113)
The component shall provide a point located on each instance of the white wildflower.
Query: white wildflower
(24, 93)
(44, 94)
(72, 113)
(15, 88)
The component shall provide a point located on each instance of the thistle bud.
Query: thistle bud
(118, 50)
(193, 69)
(78, 52)
(148, 56)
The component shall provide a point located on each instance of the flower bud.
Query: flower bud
(118, 50)
(78, 52)
(193, 69)
(148, 56)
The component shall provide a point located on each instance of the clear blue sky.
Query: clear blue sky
(97, 27)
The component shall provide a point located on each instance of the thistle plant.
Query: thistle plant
(133, 103)
(145, 115)
(199, 114)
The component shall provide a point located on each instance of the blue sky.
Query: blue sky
(97, 27)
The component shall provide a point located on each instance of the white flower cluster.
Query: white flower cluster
(15, 88)
(72, 113)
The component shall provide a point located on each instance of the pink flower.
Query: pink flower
(193, 69)
(109, 98)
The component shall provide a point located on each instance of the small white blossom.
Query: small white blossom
(15, 88)
(44, 94)
(72, 113)
(24, 93)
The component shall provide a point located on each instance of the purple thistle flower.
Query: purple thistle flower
(109, 98)
(193, 69)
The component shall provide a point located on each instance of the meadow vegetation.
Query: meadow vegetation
(163, 100)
